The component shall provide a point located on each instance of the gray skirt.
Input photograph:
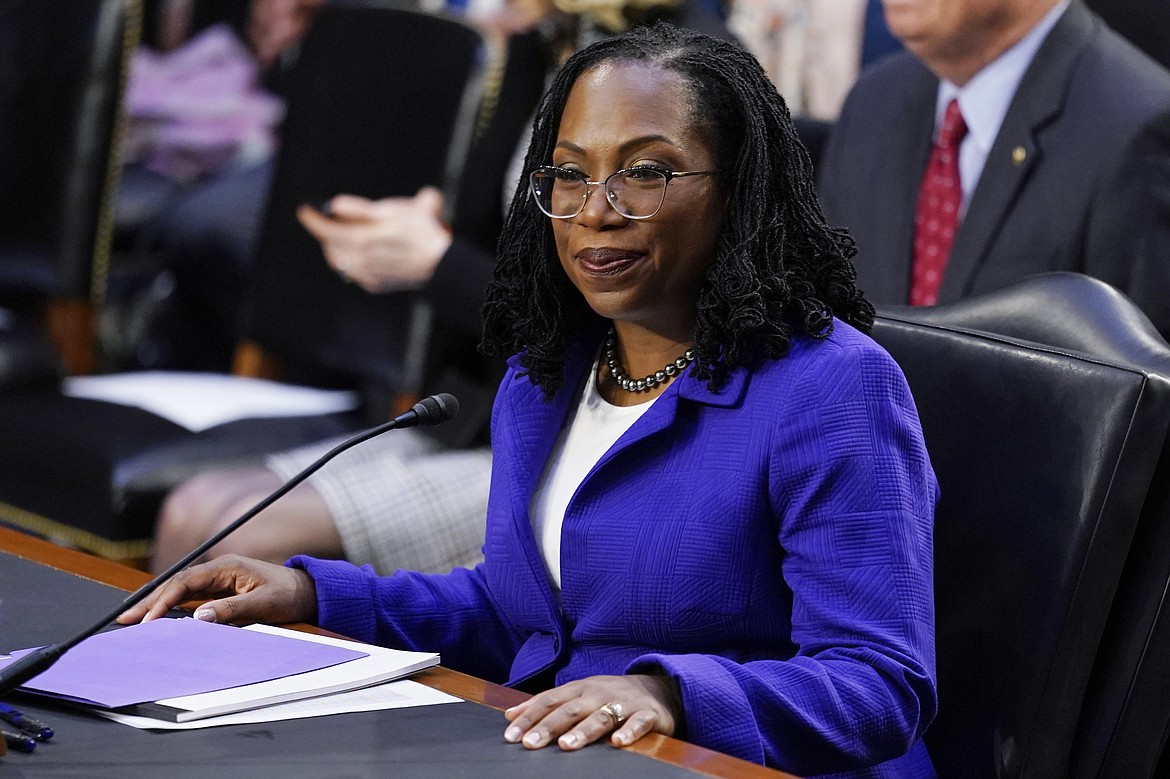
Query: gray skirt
(400, 500)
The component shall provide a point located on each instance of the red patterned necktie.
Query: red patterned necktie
(937, 216)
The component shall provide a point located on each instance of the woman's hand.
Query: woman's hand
(257, 592)
(384, 245)
(573, 713)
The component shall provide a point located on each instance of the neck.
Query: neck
(959, 64)
(645, 350)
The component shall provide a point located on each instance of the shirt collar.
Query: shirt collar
(984, 100)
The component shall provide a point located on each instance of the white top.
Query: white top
(984, 100)
(592, 428)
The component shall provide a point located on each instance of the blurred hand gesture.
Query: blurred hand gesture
(386, 245)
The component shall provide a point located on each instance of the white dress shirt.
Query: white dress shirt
(984, 100)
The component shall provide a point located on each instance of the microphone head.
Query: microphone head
(435, 409)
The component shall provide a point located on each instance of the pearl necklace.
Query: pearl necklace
(650, 382)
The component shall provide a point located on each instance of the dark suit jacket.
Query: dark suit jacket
(1078, 178)
(456, 291)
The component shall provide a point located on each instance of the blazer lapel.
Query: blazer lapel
(530, 440)
(537, 423)
(662, 415)
(1038, 102)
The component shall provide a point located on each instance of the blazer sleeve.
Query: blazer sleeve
(419, 612)
(854, 493)
(1128, 235)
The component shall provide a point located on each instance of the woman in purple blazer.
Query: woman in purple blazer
(711, 506)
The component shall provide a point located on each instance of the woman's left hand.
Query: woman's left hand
(581, 712)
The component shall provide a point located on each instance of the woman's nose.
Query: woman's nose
(599, 212)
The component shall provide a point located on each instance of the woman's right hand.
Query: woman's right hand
(245, 591)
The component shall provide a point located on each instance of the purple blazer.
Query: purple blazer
(768, 546)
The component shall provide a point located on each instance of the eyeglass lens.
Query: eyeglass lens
(636, 193)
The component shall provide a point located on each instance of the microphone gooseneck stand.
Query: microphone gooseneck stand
(429, 411)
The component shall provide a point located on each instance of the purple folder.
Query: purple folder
(168, 658)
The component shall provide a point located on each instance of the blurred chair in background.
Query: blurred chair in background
(63, 67)
(203, 105)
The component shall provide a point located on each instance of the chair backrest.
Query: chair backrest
(1125, 721)
(63, 68)
(1045, 456)
(380, 102)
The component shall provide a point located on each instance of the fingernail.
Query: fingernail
(512, 734)
(205, 614)
(532, 739)
(622, 738)
(569, 739)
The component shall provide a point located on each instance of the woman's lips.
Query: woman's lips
(605, 262)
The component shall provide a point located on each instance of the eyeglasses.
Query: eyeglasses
(635, 193)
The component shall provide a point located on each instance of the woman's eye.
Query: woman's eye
(568, 173)
(645, 172)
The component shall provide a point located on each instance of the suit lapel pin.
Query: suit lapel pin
(1019, 154)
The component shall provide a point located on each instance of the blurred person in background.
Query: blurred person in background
(203, 109)
(1012, 137)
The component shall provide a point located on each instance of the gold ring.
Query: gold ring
(615, 712)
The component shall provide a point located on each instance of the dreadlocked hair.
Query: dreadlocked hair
(778, 268)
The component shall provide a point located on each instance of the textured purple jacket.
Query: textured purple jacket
(768, 546)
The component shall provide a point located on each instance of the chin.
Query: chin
(904, 18)
(608, 309)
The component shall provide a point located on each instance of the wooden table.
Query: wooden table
(669, 751)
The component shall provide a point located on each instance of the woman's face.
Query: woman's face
(621, 115)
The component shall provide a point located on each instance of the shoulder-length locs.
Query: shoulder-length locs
(778, 266)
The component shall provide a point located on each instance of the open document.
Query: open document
(198, 401)
(388, 695)
(180, 670)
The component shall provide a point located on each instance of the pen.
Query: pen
(20, 742)
(35, 728)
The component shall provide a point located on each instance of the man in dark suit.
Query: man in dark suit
(1064, 163)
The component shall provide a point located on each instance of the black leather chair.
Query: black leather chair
(63, 66)
(1126, 718)
(379, 102)
(1047, 458)
(364, 119)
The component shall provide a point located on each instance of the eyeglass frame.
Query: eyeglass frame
(667, 174)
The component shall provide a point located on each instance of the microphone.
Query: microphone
(430, 411)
